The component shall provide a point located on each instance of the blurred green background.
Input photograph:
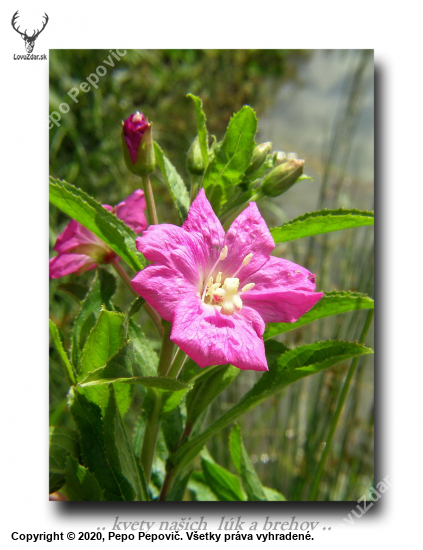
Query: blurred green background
(318, 104)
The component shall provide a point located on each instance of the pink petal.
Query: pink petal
(177, 249)
(210, 338)
(202, 221)
(74, 235)
(247, 234)
(280, 274)
(64, 264)
(204, 224)
(163, 288)
(131, 211)
(281, 307)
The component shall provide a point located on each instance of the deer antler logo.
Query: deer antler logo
(29, 40)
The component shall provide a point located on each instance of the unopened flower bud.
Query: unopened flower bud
(258, 157)
(195, 164)
(137, 142)
(282, 177)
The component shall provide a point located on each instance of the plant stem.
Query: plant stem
(166, 351)
(149, 198)
(195, 185)
(339, 407)
(150, 439)
(178, 363)
(149, 310)
(153, 422)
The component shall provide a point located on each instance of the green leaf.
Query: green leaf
(95, 454)
(88, 212)
(332, 303)
(201, 128)
(178, 488)
(225, 486)
(63, 442)
(119, 449)
(103, 376)
(81, 484)
(54, 331)
(231, 158)
(322, 221)
(285, 367)
(172, 428)
(174, 182)
(207, 388)
(273, 495)
(199, 490)
(105, 339)
(102, 288)
(250, 480)
(146, 358)
(76, 290)
(135, 306)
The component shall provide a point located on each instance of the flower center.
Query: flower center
(225, 294)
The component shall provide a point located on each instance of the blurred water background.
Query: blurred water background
(318, 104)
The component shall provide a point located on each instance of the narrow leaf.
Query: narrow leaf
(89, 213)
(174, 182)
(225, 486)
(285, 367)
(243, 464)
(231, 158)
(332, 303)
(201, 128)
(322, 221)
(54, 331)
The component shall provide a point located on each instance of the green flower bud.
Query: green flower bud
(258, 157)
(195, 164)
(137, 143)
(282, 177)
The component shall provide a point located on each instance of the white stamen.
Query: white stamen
(219, 277)
(237, 302)
(248, 287)
(247, 259)
(224, 253)
(245, 262)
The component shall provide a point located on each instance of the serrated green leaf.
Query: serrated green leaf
(250, 480)
(63, 442)
(119, 449)
(322, 221)
(102, 289)
(54, 331)
(231, 158)
(225, 486)
(89, 213)
(201, 128)
(88, 418)
(135, 306)
(95, 378)
(81, 484)
(106, 338)
(172, 428)
(285, 367)
(146, 358)
(332, 303)
(174, 182)
(207, 388)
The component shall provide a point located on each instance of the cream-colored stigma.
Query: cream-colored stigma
(226, 295)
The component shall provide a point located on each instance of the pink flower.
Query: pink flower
(80, 250)
(218, 290)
